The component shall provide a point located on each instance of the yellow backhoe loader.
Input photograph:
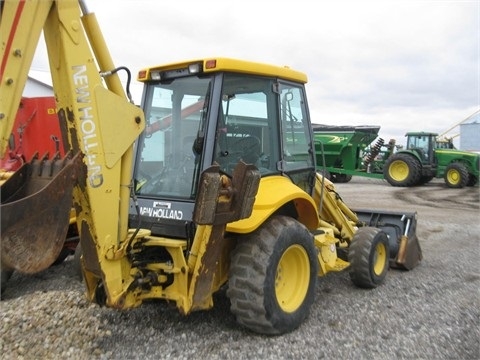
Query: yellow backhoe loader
(210, 183)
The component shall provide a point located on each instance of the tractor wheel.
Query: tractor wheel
(402, 170)
(334, 177)
(456, 175)
(369, 257)
(472, 180)
(343, 178)
(273, 274)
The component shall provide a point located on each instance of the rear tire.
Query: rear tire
(273, 275)
(369, 255)
(402, 170)
(472, 180)
(456, 175)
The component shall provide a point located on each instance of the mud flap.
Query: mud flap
(405, 251)
(35, 213)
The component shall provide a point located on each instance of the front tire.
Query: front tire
(369, 255)
(456, 175)
(273, 275)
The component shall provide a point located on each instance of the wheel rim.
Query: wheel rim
(398, 170)
(380, 258)
(292, 278)
(453, 177)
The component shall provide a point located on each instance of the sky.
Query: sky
(403, 65)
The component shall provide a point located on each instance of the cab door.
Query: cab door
(296, 136)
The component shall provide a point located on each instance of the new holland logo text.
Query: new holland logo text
(162, 210)
(87, 125)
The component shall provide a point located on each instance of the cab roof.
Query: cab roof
(220, 64)
(420, 133)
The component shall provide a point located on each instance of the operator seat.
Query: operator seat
(248, 149)
(422, 153)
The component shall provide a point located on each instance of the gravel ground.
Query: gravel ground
(431, 312)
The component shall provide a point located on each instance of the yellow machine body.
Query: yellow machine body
(269, 223)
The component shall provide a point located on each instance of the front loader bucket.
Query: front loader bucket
(405, 251)
(35, 211)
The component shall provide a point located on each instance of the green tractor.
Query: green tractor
(422, 160)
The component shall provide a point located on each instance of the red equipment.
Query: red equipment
(36, 132)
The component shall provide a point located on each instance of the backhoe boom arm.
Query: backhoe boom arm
(96, 118)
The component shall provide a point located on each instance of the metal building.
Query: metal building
(470, 133)
(39, 83)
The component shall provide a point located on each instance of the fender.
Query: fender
(273, 193)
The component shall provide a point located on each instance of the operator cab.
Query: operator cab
(216, 111)
(423, 144)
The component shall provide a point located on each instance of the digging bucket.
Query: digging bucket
(35, 211)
